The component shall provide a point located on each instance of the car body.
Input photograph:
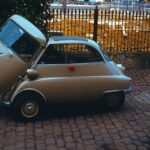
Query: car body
(64, 69)
(17, 38)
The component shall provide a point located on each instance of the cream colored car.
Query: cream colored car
(64, 69)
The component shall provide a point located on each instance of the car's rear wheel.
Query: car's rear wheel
(114, 100)
(28, 107)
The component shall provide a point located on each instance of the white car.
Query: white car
(64, 69)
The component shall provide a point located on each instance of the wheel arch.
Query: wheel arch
(113, 100)
(114, 91)
(28, 91)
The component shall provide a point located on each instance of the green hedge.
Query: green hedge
(34, 10)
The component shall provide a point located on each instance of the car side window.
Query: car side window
(53, 55)
(79, 53)
(70, 53)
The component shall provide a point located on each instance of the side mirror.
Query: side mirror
(32, 74)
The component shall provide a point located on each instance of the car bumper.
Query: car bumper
(127, 91)
(5, 102)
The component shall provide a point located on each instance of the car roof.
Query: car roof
(29, 28)
(72, 40)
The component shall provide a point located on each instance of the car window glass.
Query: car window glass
(18, 40)
(79, 53)
(70, 53)
(25, 47)
(10, 33)
(53, 55)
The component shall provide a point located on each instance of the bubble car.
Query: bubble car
(34, 70)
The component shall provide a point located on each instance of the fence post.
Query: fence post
(95, 24)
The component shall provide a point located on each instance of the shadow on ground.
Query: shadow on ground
(61, 110)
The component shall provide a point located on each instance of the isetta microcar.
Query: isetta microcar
(34, 71)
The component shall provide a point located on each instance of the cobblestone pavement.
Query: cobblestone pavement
(85, 127)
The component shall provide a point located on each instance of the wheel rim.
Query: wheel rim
(29, 109)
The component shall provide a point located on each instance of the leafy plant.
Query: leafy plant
(35, 10)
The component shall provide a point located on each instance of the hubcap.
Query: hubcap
(29, 109)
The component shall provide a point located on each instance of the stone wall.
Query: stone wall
(132, 60)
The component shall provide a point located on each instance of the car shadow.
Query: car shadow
(62, 110)
(73, 109)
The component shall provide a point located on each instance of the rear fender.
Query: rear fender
(125, 91)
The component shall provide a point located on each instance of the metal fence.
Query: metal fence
(115, 30)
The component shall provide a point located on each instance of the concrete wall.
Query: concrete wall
(132, 61)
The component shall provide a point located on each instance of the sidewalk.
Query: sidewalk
(127, 129)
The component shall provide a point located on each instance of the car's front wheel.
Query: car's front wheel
(28, 107)
(114, 100)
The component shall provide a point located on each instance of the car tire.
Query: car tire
(28, 107)
(114, 101)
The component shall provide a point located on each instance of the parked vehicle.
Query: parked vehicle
(64, 69)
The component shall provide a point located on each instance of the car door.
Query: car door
(17, 49)
(69, 72)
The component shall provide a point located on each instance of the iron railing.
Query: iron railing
(115, 30)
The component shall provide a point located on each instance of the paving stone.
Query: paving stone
(29, 145)
(70, 145)
(141, 148)
(131, 147)
(91, 147)
(89, 142)
(60, 142)
(87, 136)
(76, 134)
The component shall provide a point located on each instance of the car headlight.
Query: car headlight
(121, 67)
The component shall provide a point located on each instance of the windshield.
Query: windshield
(18, 40)
(10, 38)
